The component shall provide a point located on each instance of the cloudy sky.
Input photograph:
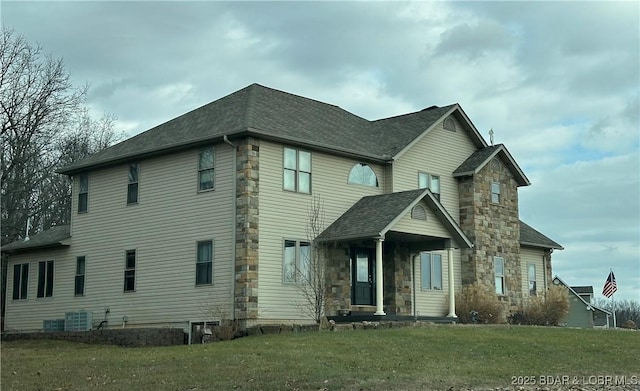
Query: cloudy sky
(557, 81)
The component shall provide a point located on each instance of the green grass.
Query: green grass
(431, 358)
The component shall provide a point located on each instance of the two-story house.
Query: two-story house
(208, 213)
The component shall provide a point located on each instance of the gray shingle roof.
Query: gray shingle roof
(373, 216)
(583, 289)
(368, 217)
(482, 156)
(531, 237)
(271, 114)
(52, 237)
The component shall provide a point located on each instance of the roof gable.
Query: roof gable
(403, 132)
(482, 157)
(588, 306)
(374, 216)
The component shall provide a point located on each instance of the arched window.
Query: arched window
(362, 174)
(449, 124)
(418, 213)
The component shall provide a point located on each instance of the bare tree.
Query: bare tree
(43, 125)
(625, 310)
(312, 274)
(37, 102)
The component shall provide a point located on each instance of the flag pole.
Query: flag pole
(613, 306)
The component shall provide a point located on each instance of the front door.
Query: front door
(363, 278)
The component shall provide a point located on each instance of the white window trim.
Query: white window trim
(529, 280)
(432, 272)
(498, 194)
(80, 192)
(297, 171)
(213, 256)
(84, 277)
(297, 261)
(134, 268)
(212, 168)
(501, 276)
(430, 178)
(136, 182)
(364, 166)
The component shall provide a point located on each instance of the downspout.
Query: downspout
(233, 227)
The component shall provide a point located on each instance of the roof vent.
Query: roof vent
(431, 107)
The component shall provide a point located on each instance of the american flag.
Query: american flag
(610, 286)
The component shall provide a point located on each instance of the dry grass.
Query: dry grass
(547, 310)
(477, 298)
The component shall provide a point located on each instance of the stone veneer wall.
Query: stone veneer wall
(546, 259)
(494, 229)
(397, 279)
(338, 273)
(247, 219)
(130, 337)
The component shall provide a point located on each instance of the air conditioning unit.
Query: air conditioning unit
(50, 326)
(78, 321)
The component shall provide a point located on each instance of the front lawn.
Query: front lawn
(430, 358)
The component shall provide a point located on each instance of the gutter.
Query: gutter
(233, 227)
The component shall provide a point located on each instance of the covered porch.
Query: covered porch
(375, 253)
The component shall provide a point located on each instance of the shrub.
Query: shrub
(545, 311)
(476, 298)
(629, 324)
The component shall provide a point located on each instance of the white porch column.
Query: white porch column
(452, 290)
(379, 280)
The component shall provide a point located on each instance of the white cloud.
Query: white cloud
(557, 81)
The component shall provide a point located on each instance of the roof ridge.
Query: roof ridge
(432, 108)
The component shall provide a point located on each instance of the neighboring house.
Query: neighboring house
(582, 312)
(206, 217)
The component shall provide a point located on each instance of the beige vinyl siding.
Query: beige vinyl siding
(23, 315)
(429, 227)
(531, 255)
(170, 218)
(283, 215)
(439, 152)
(435, 302)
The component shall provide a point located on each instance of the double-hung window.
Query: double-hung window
(297, 260)
(426, 180)
(45, 279)
(83, 193)
(206, 168)
(297, 170)
(79, 280)
(132, 188)
(498, 271)
(130, 271)
(531, 277)
(431, 271)
(495, 192)
(204, 263)
(20, 281)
